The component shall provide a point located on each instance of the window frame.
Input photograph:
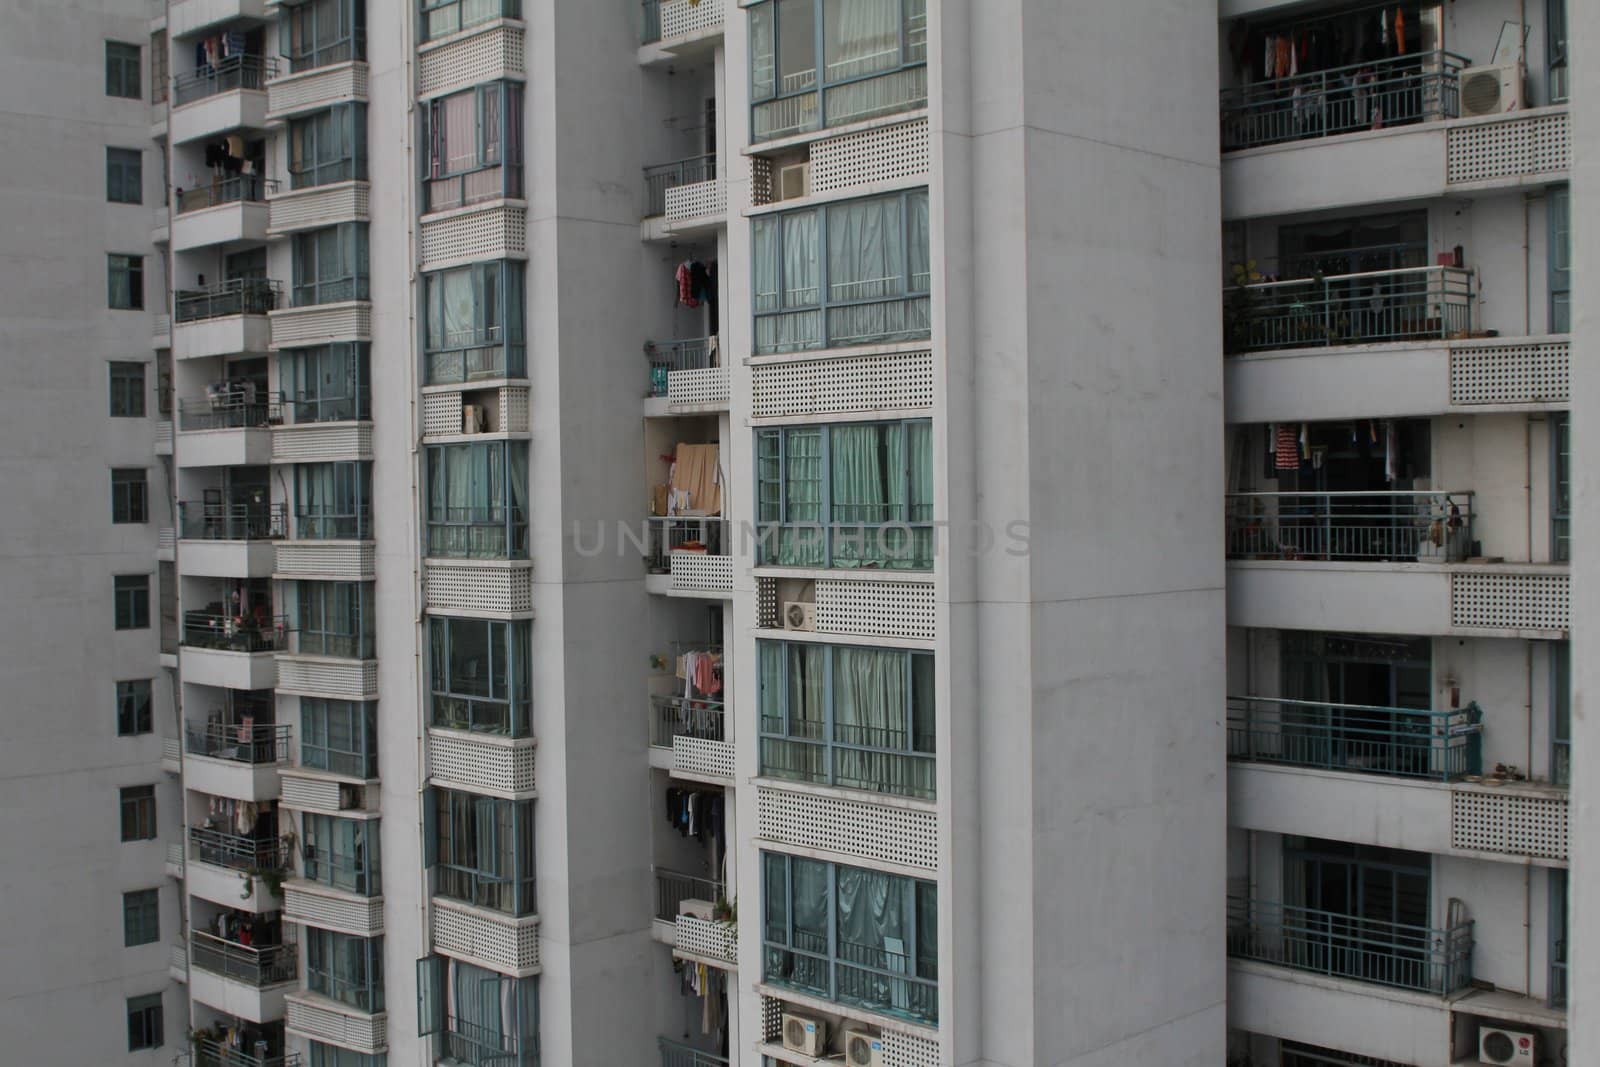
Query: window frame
(358, 872)
(461, 870)
(146, 1021)
(317, 749)
(326, 950)
(137, 806)
(130, 496)
(1561, 713)
(505, 151)
(507, 9)
(316, 602)
(351, 259)
(128, 266)
(141, 917)
(511, 673)
(499, 334)
(1558, 256)
(124, 175)
(308, 388)
(121, 82)
(126, 383)
(349, 41)
(350, 163)
(135, 702)
(1561, 487)
(491, 528)
(131, 601)
(347, 517)
(1555, 51)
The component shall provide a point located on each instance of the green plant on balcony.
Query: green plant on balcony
(726, 911)
(1240, 306)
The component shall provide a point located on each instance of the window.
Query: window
(124, 175)
(345, 968)
(332, 501)
(1555, 48)
(330, 265)
(129, 495)
(122, 70)
(478, 670)
(127, 390)
(141, 917)
(335, 619)
(1561, 487)
(443, 17)
(133, 707)
(125, 282)
(158, 70)
(132, 595)
(849, 716)
(329, 146)
(316, 33)
(478, 500)
(473, 322)
(483, 848)
(334, 1056)
(339, 736)
(852, 495)
(1558, 205)
(326, 384)
(874, 62)
(144, 1022)
(480, 1018)
(474, 143)
(1556, 994)
(850, 273)
(853, 936)
(139, 813)
(342, 853)
(1561, 713)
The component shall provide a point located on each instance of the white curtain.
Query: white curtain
(860, 36)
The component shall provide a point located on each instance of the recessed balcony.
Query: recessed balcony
(248, 981)
(238, 760)
(1367, 307)
(689, 555)
(223, 867)
(684, 198)
(693, 731)
(230, 95)
(223, 213)
(223, 540)
(222, 430)
(1431, 526)
(229, 652)
(225, 319)
(688, 375)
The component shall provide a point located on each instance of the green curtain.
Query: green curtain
(801, 542)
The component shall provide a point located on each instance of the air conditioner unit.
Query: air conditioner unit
(1491, 90)
(798, 615)
(794, 181)
(862, 1049)
(804, 1035)
(474, 418)
(1506, 1046)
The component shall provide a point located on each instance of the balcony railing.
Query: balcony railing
(684, 533)
(668, 356)
(262, 743)
(321, 526)
(1391, 742)
(1420, 958)
(502, 893)
(300, 409)
(477, 1045)
(246, 188)
(210, 521)
(229, 412)
(234, 72)
(678, 716)
(209, 1052)
(241, 296)
(478, 533)
(663, 176)
(677, 1054)
(865, 976)
(231, 850)
(490, 182)
(1428, 526)
(253, 965)
(1407, 304)
(1425, 87)
(674, 887)
(232, 633)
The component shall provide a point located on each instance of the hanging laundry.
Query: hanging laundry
(1399, 32)
(1288, 449)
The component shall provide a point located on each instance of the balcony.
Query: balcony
(222, 430)
(226, 540)
(301, 672)
(320, 1018)
(688, 375)
(684, 198)
(692, 915)
(228, 652)
(213, 1053)
(691, 554)
(225, 319)
(222, 213)
(317, 206)
(501, 942)
(1386, 526)
(339, 318)
(677, 1054)
(223, 868)
(238, 761)
(314, 904)
(679, 26)
(467, 42)
(1438, 746)
(1375, 951)
(692, 730)
(218, 99)
(314, 430)
(482, 762)
(334, 81)
(1370, 307)
(244, 980)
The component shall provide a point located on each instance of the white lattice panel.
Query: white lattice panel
(320, 1019)
(771, 1019)
(308, 793)
(901, 1049)
(1532, 373)
(699, 572)
(875, 609)
(707, 939)
(333, 678)
(178, 961)
(316, 89)
(697, 200)
(881, 155)
(483, 763)
(1511, 601)
(321, 324)
(703, 385)
(167, 541)
(702, 757)
(175, 856)
(324, 205)
(1520, 145)
(899, 381)
(479, 588)
(510, 946)
(307, 904)
(474, 234)
(905, 836)
(767, 603)
(1516, 824)
(341, 561)
(321, 442)
(161, 331)
(465, 59)
(441, 414)
(760, 181)
(679, 17)
(164, 437)
(514, 408)
(171, 752)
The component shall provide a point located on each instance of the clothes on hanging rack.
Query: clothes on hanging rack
(695, 813)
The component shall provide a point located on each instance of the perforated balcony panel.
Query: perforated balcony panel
(510, 946)
(1532, 373)
(321, 442)
(767, 603)
(771, 1019)
(886, 154)
(332, 678)
(474, 234)
(346, 561)
(700, 757)
(495, 765)
(703, 385)
(697, 572)
(1511, 601)
(326, 205)
(320, 1019)
(310, 793)
(875, 609)
(166, 542)
(1512, 823)
(441, 414)
(326, 910)
(680, 17)
(321, 324)
(696, 200)
(706, 939)
(901, 1049)
(514, 409)
(466, 59)
(899, 381)
(1519, 146)
(900, 835)
(316, 89)
(478, 588)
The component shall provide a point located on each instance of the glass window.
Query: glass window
(133, 707)
(125, 282)
(129, 495)
(479, 1018)
(144, 1022)
(342, 853)
(127, 390)
(334, 619)
(474, 141)
(138, 813)
(122, 70)
(329, 146)
(317, 33)
(132, 601)
(1561, 713)
(334, 1056)
(1555, 49)
(478, 670)
(326, 384)
(124, 175)
(332, 501)
(1558, 924)
(1558, 204)
(483, 848)
(478, 500)
(330, 265)
(339, 736)
(1561, 487)
(473, 322)
(141, 917)
(443, 17)
(345, 968)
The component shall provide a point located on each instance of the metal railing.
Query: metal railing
(678, 716)
(251, 964)
(231, 850)
(866, 976)
(321, 526)
(477, 1045)
(1364, 739)
(1421, 958)
(663, 176)
(221, 413)
(1400, 91)
(256, 743)
(210, 521)
(1556, 993)
(708, 534)
(667, 356)
(213, 1053)
(478, 533)
(677, 1054)
(502, 893)
(234, 72)
(474, 358)
(1405, 304)
(1425, 525)
(232, 633)
(300, 409)
(873, 759)
(244, 188)
(500, 717)
(674, 887)
(241, 296)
